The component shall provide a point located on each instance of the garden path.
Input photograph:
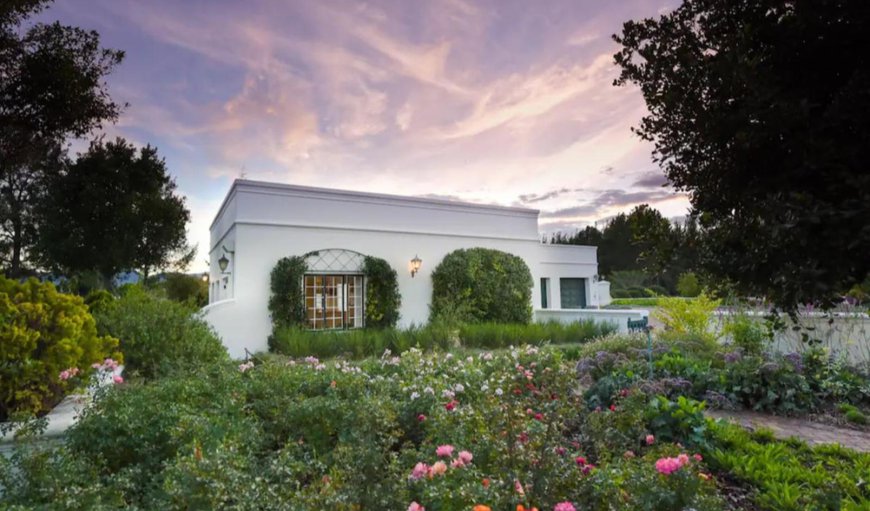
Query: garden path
(808, 431)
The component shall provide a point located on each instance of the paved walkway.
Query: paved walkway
(808, 431)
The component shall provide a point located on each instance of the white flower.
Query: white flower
(487, 356)
(484, 387)
(429, 390)
(469, 359)
(448, 356)
(459, 387)
(319, 367)
(448, 394)
(415, 395)
(498, 392)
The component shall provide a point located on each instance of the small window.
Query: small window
(573, 293)
(545, 293)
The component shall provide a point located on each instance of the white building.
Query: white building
(259, 223)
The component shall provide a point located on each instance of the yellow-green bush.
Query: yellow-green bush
(43, 332)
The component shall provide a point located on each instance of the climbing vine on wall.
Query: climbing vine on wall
(287, 302)
(382, 293)
(484, 284)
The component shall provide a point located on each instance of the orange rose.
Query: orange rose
(481, 507)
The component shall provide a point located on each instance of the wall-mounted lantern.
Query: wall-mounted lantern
(223, 262)
(416, 262)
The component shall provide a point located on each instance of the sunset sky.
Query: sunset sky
(507, 102)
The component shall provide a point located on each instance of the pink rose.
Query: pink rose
(421, 417)
(420, 471)
(465, 456)
(668, 466)
(416, 507)
(564, 506)
(444, 451)
(683, 459)
(438, 468)
(118, 379)
(650, 440)
(457, 463)
(698, 457)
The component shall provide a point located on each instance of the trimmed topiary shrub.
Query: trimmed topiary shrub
(382, 293)
(43, 332)
(688, 285)
(486, 284)
(287, 302)
(159, 336)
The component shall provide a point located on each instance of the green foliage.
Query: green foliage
(287, 299)
(852, 413)
(688, 285)
(115, 208)
(52, 86)
(159, 336)
(747, 333)
(722, 82)
(680, 421)
(361, 343)
(686, 317)
(188, 289)
(383, 299)
(99, 300)
(43, 332)
(489, 285)
(790, 476)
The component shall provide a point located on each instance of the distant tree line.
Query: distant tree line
(113, 207)
(642, 252)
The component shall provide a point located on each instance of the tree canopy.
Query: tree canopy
(52, 86)
(115, 208)
(761, 111)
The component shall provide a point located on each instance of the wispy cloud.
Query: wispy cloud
(491, 101)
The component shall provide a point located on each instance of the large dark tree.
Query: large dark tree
(115, 208)
(761, 111)
(51, 87)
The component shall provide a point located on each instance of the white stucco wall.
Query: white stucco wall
(272, 221)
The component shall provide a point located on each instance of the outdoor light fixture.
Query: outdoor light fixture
(223, 262)
(416, 262)
(205, 277)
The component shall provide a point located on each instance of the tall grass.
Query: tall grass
(296, 342)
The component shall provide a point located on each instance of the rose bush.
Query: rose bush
(443, 431)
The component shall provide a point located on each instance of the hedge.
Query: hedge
(481, 284)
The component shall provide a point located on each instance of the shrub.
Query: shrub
(686, 317)
(159, 336)
(43, 332)
(382, 293)
(688, 285)
(746, 333)
(361, 343)
(287, 301)
(186, 289)
(492, 286)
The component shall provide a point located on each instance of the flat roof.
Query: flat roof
(252, 184)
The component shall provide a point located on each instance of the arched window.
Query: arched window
(334, 289)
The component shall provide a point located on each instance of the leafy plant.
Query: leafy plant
(747, 333)
(688, 285)
(383, 299)
(42, 333)
(159, 336)
(681, 421)
(287, 301)
(490, 285)
(686, 317)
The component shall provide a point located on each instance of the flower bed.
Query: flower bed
(493, 431)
